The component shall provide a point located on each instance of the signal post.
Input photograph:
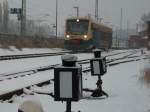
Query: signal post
(21, 14)
(23, 18)
(148, 33)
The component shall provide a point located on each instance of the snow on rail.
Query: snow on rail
(22, 82)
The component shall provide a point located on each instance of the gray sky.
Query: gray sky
(109, 10)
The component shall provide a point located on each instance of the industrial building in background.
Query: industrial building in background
(142, 40)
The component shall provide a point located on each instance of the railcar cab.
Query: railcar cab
(78, 28)
(78, 33)
(85, 34)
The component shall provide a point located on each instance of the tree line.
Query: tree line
(12, 26)
(144, 19)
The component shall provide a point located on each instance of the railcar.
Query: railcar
(85, 34)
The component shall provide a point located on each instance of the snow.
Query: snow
(122, 83)
(31, 106)
(69, 57)
(22, 82)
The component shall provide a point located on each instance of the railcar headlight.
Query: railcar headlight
(68, 36)
(85, 36)
(78, 20)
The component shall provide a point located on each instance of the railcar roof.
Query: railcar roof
(81, 18)
(95, 24)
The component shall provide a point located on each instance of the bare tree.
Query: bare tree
(144, 19)
(30, 27)
(14, 27)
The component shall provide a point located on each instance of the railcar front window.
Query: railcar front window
(78, 28)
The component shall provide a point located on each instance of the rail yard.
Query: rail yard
(74, 56)
(30, 80)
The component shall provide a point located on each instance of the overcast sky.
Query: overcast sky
(109, 10)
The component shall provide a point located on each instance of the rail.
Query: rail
(8, 95)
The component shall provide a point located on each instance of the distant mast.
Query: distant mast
(148, 29)
(148, 33)
(23, 18)
(96, 10)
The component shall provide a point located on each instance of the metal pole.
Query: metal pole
(56, 16)
(23, 18)
(68, 106)
(116, 39)
(148, 31)
(5, 16)
(99, 86)
(96, 10)
(121, 17)
(77, 9)
(137, 27)
(127, 33)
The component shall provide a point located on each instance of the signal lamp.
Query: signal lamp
(78, 20)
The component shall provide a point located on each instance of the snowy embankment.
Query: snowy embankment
(122, 83)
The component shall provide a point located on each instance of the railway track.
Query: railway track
(51, 67)
(110, 60)
(11, 57)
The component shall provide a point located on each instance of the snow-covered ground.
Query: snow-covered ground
(122, 83)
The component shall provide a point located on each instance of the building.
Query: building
(136, 41)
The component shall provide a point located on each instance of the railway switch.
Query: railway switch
(98, 68)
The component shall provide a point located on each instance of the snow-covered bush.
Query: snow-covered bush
(145, 73)
(30, 106)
